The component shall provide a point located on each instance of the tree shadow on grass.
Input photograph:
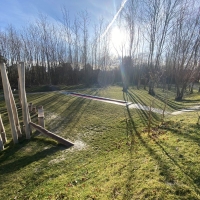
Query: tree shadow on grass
(163, 165)
(28, 158)
(174, 128)
(51, 100)
(143, 113)
(71, 114)
(189, 135)
(43, 98)
(170, 103)
(134, 99)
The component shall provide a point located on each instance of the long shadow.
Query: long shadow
(193, 174)
(131, 131)
(53, 106)
(40, 97)
(196, 139)
(77, 115)
(72, 113)
(130, 125)
(172, 104)
(47, 99)
(175, 131)
(165, 169)
(144, 114)
(190, 101)
(11, 148)
(188, 175)
(17, 164)
(153, 114)
(26, 160)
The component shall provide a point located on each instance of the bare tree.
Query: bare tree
(68, 31)
(14, 44)
(130, 16)
(185, 43)
(84, 23)
(45, 37)
(159, 14)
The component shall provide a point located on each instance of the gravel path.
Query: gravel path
(130, 104)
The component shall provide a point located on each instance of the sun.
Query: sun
(118, 38)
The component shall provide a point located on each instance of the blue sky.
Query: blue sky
(21, 12)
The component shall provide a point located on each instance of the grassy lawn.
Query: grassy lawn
(113, 157)
(49, 88)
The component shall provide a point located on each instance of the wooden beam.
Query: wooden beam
(8, 102)
(51, 135)
(19, 92)
(2, 130)
(1, 144)
(15, 114)
(25, 112)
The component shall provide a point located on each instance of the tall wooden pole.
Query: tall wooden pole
(1, 143)
(25, 112)
(14, 108)
(2, 130)
(19, 92)
(8, 102)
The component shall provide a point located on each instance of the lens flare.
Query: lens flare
(114, 18)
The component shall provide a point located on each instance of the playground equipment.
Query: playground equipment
(12, 110)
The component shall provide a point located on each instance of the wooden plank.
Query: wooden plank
(15, 114)
(8, 102)
(51, 135)
(25, 112)
(2, 129)
(19, 92)
(1, 144)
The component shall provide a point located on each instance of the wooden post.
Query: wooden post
(1, 144)
(25, 112)
(41, 116)
(14, 109)
(19, 92)
(34, 109)
(29, 119)
(2, 130)
(8, 102)
(30, 107)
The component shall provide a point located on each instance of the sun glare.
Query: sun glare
(118, 37)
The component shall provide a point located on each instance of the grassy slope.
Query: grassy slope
(119, 160)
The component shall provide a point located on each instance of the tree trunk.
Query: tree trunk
(179, 93)
(191, 88)
(151, 88)
(139, 81)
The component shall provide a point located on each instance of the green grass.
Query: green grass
(49, 88)
(114, 157)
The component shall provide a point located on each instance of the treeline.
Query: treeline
(64, 74)
(161, 45)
